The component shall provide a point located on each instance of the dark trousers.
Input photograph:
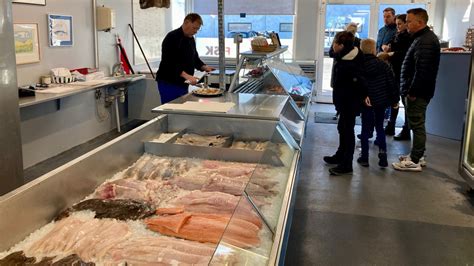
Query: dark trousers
(394, 114)
(372, 117)
(345, 127)
(416, 112)
(170, 91)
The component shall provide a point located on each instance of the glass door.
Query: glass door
(338, 16)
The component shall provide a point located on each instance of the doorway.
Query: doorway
(335, 15)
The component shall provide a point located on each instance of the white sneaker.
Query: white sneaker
(422, 161)
(407, 165)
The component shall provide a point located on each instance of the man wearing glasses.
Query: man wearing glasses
(179, 59)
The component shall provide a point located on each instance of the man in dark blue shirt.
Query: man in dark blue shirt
(388, 31)
(179, 59)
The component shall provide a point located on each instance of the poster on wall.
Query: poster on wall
(60, 30)
(32, 2)
(26, 43)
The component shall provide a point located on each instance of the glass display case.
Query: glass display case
(466, 166)
(267, 73)
(218, 187)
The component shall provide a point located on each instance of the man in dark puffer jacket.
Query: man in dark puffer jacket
(382, 93)
(349, 90)
(417, 83)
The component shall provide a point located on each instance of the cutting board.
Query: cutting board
(199, 106)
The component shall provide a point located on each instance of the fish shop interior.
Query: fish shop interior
(213, 132)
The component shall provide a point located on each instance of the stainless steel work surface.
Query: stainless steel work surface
(45, 97)
(255, 106)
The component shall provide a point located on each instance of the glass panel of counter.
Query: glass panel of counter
(253, 234)
(468, 149)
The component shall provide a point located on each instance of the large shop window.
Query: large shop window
(151, 26)
(249, 18)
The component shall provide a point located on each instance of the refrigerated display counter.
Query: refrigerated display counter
(466, 164)
(213, 190)
(267, 73)
(244, 105)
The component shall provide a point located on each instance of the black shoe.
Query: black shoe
(363, 162)
(339, 170)
(390, 130)
(331, 159)
(383, 159)
(403, 135)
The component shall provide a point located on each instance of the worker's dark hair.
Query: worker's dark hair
(344, 37)
(420, 13)
(402, 17)
(389, 9)
(193, 17)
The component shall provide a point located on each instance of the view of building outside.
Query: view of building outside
(248, 26)
(338, 16)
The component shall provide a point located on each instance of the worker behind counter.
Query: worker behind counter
(179, 59)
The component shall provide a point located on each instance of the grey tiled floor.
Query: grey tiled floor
(380, 216)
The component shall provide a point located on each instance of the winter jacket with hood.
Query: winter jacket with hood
(381, 87)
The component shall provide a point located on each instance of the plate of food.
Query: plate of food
(208, 92)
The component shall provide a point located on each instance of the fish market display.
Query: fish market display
(159, 211)
(250, 145)
(121, 209)
(200, 140)
(19, 258)
(207, 228)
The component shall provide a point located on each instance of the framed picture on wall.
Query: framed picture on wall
(27, 48)
(32, 2)
(60, 30)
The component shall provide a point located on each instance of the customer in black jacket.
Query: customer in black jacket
(417, 83)
(398, 48)
(349, 89)
(381, 93)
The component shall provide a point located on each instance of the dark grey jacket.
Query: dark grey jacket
(420, 66)
(381, 87)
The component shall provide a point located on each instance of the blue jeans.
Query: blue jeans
(170, 91)
(372, 117)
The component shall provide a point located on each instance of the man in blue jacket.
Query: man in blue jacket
(179, 58)
(388, 31)
(417, 83)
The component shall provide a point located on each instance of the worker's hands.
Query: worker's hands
(207, 68)
(386, 48)
(189, 79)
(367, 102)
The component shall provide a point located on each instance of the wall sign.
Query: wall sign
(60, 30)
(32, 2)
(26, 43)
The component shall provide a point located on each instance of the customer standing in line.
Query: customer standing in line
(349, 91)
(388, 31)
(179, 58)
(417, 83)
(397, 49)
(381, 93)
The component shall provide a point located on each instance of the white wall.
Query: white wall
(457, 19)
(305, 29)
(45, 130)
(81, 54)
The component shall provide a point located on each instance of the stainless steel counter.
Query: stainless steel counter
(254, 106)
(45, 97)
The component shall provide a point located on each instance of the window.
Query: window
(263, 17)
(239, 26)
(286, 27)
(151, 26)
